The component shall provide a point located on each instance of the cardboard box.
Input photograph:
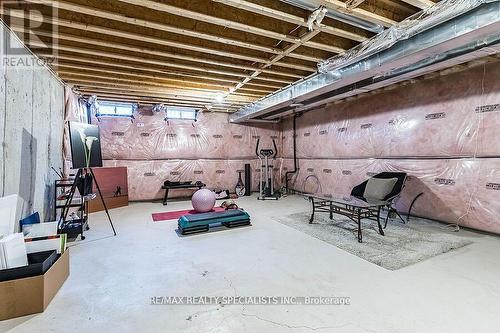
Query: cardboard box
(26, 296)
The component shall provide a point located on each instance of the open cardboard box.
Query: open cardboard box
(31, 295)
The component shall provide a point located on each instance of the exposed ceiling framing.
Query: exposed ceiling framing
(189, 53)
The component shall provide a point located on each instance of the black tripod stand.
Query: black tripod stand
(63, 224)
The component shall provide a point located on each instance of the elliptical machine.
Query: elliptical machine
(266, 184)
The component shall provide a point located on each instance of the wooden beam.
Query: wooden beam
(150, 39)
(87, 10)
(128, 47)
(126, 78)
(287, 50)
(358, 12)
(120, 56)
(64, 70)
(144, 100)
(137, 92)
(90, 67)
(141, 60)
(351, 4)
(330, 4)
(282, 16)
(196, 86)
(124, 96)
(145, 94)
(235, 25)
(111, 84)
(90, 63)
(422, 4)
(107, 15)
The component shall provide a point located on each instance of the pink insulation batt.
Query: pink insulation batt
(210, 150)
(443, 132)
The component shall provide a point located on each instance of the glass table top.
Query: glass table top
(348, 200)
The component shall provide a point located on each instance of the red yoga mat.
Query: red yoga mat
(176, 214)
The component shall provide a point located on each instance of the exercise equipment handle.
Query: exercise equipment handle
(257, 148)
(275, 149)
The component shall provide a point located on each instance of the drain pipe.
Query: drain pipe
(295, 116)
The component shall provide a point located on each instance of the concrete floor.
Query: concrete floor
(113, 279)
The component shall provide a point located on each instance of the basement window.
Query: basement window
(115, 109)
(181, 113)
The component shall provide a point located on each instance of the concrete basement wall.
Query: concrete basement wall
(31, 131)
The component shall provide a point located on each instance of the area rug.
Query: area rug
(178, 213)
(402, 245)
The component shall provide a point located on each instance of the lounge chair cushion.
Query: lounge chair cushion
(379, 188)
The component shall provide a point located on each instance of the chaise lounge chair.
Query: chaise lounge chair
(385, 194)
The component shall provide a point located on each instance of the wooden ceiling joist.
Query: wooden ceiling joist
(290, 18)
(235, 25)
(165, 99)
(177, 83)
(191, 53)
(75, 69)
(351, 4)
(110, 84)
(150, 101)
(140, 91)
(289, 49)
(128, 47)
(121, 96)
(126, 78)
(149, 39)
(104, 14)
(86, 63)
(166, 64)
(422, 4)
(81, 9)
(358, 12)
(108, 92)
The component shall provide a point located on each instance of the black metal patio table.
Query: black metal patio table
(355, 208)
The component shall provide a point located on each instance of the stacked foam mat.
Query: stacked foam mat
(443, 132)
(210, 150)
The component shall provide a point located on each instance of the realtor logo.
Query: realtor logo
(26, 19)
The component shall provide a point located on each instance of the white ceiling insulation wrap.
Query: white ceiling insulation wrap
(415, 24)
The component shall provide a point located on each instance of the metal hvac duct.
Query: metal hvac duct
(449, 33)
